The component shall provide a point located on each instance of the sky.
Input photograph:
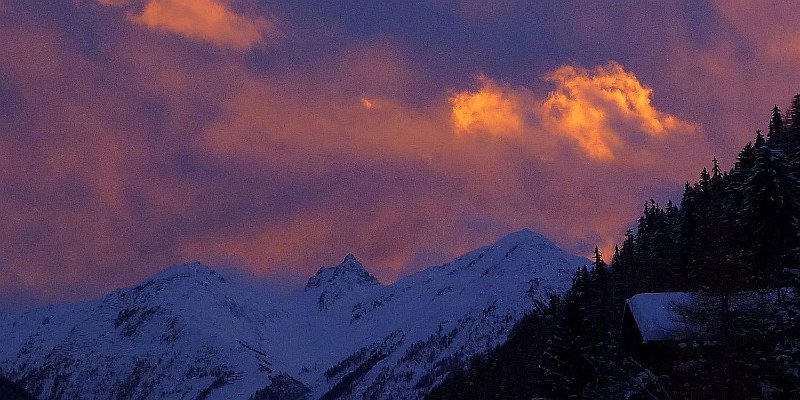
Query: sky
(277, 136)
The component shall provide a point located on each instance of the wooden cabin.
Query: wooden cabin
(661, 326)
(654, 322)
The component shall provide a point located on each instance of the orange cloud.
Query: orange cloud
(491, 109)
(210, 21)
(600, 110)
(595, 107)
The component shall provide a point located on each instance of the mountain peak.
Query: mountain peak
(349, 272)
(191, 270)
(522, 236)
(337, 281)
(514, 253)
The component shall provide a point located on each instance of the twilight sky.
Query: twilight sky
(277, 135)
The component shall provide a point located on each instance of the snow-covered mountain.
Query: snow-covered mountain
(188, 333)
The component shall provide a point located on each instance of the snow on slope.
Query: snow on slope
(189, 333)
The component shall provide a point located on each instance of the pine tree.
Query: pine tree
(777, 130)
(793, 117)
(702, 231)
(597, 259)
(566, 367)
(623, 268)
(793, 133)
(769, 215)
(716, 172)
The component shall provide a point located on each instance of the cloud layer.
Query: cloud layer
(123, 151)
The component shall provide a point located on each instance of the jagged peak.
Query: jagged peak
(350, 273)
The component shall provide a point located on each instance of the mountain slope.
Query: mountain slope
(187, 332)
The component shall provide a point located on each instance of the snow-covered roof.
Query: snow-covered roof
(673, 316)
(658, 315)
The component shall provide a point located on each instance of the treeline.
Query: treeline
(12, 391)
(734, 232)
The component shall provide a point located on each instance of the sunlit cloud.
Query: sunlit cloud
(210, 21)
(596, 108)
(599, 110)
(490, 109)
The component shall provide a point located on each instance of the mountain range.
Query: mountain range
(190, 332)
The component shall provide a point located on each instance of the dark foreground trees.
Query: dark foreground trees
(734, 240)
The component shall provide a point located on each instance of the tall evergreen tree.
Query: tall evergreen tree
(793, 117)
(716, 171)
(566, 367)
(793, 133)
(769, 214)
(623, 268)
(597, 259)
(777, 130)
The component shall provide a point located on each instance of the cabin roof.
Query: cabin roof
(663, 316)
(657, 315)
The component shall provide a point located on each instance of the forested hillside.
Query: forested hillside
(735, 235)
(11, 391)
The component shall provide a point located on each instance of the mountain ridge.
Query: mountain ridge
(187, 330)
